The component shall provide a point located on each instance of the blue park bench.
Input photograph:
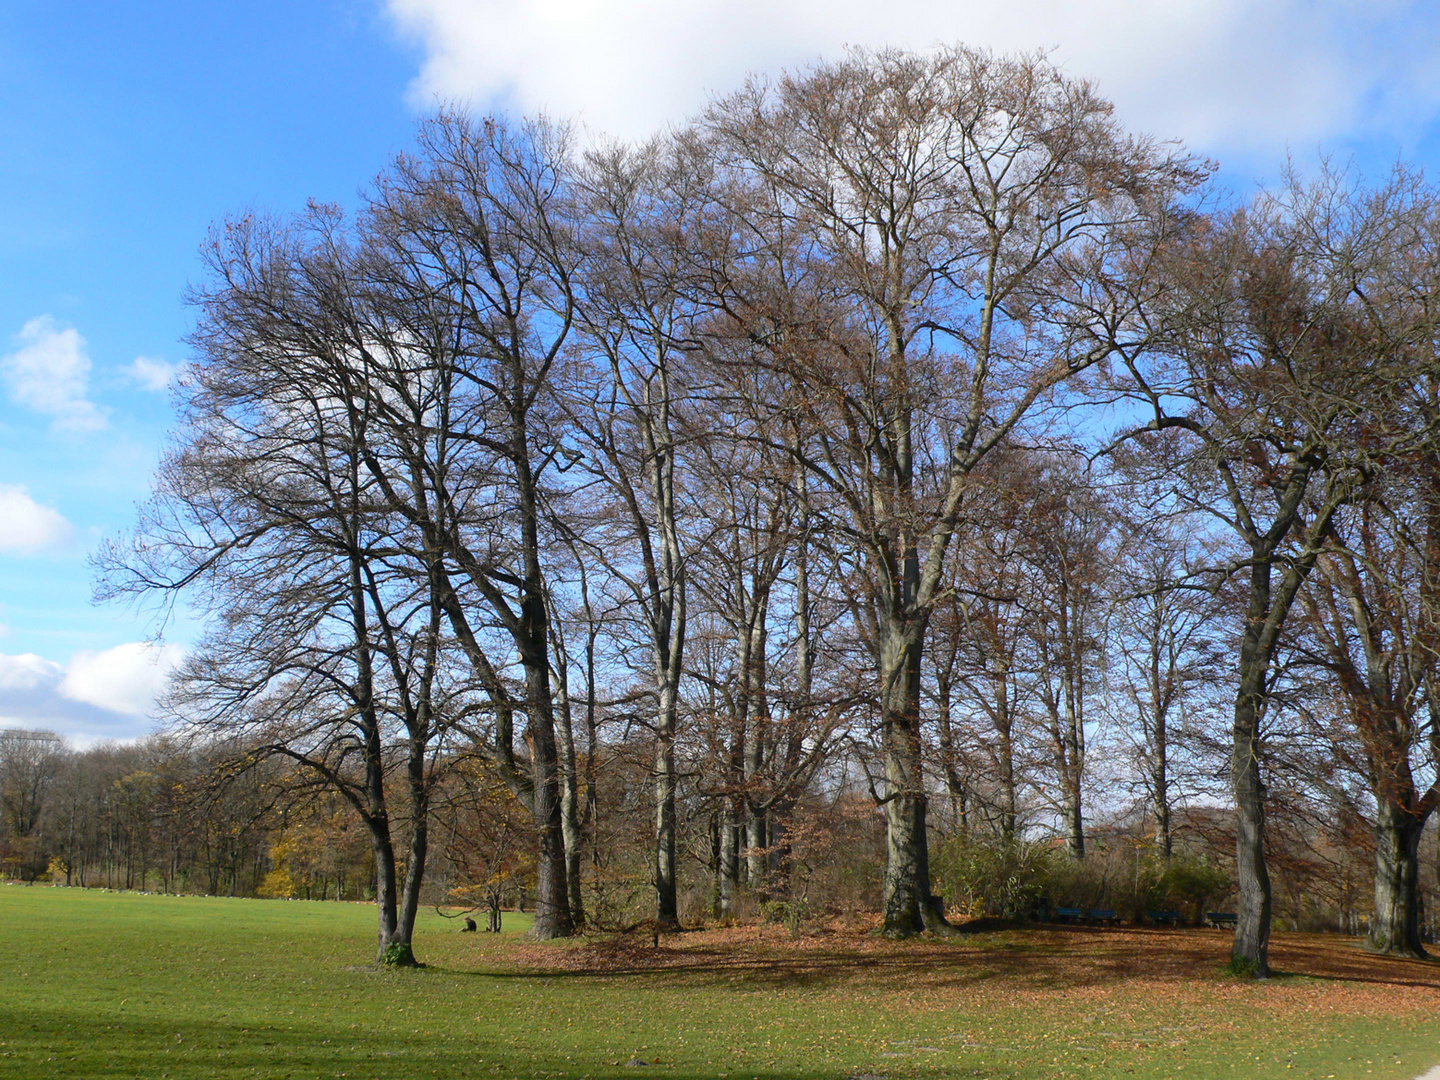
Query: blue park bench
(1083, 915)
(1220, 920)
(1163, 918)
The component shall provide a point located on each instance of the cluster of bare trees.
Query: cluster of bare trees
(905, 421)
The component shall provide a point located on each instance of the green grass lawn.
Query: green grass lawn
(104, 984)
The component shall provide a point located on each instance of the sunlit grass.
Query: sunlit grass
(109, 985)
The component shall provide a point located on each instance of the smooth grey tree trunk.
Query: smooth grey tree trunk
(729, 865)
(386, 908)
(570, 810)
(757, 739)
(1251, 948)
(667, 912)
(909, 905)
(1395, 928)
(552, 896)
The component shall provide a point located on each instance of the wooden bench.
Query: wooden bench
(1069, 914)
(1163, 918)
(1220, 920)
(1102, 917)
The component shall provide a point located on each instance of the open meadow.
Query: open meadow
(118, 985)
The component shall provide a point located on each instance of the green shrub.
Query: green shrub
(1188, 882)
(1001, 880)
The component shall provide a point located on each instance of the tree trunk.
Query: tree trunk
(1006, 751)
(729, 864)
(552, 898)
(949, 759)
(1073, 745)
(1074, 823)
(1162, 816)
(910, 908)
(570, 812)
(757, 733)
(1160, 786)
(1250, 952)
(419, 845)
(667, 912)
(1396, 927)
(385, 900)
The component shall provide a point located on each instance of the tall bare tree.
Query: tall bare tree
(323, 645)
(930, 246)
(474, 277)
(1261, 407)
(637, 323)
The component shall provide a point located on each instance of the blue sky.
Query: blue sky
(130, 127)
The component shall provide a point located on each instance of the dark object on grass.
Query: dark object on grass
(469, 926)
(1163, 918)
(1220, 919)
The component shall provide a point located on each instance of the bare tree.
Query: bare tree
(474, 278)
(637, 323)
(1164, 652)
(1258, 408)
(323, 646)
(1066, 527)
(930, 249)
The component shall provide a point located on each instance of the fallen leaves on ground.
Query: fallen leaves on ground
(1084, 966)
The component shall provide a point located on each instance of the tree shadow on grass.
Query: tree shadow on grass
(42, 1043)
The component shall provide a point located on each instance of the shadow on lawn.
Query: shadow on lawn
(1038, 959)
(41, 1043)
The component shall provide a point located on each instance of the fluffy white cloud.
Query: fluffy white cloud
(26, 526)
(152, 373)
(126, 679)
(50, 373)
(1219, 73)
(98, 696)
(26, 672)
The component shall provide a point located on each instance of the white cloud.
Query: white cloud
(126, 679)
(26, 526)
(98, 696)
(26, 672)
(152, 373)
(1222, 74)
(50, 373)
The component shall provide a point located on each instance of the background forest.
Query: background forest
(900, 489)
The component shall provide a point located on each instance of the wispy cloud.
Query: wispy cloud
(50, 373)
(26, 527)
(151, 373)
